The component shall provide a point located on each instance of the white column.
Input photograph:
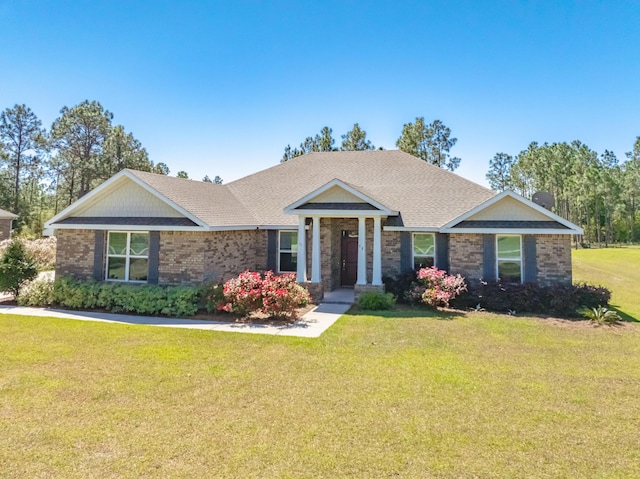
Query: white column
(362, 251)
(302, 250)
(315, 252)
(377, 252)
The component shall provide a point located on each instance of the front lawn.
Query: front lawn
(615, 268)
(453, 395)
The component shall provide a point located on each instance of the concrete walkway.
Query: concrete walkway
(311, 325)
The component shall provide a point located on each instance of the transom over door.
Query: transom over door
(349, 259)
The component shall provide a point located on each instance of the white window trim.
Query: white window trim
(128, 256)
(498, 259)
(413, 249)
(280, 251)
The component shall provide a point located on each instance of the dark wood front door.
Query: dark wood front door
(349, 260)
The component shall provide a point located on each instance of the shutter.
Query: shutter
(98, 256)
(154, 257)
(272, 250)
(530, 274)
(489, 272)
(442, 251)
(406, 255)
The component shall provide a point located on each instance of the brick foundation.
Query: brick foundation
(316, 290)
(358, 289)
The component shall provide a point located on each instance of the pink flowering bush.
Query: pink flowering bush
(276, 296)
(436, 288)
(243, 294)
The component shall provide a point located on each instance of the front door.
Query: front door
(349, 260)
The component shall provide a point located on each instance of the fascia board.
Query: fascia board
(515, 231)
(125, 227)
(343, 213)
(427, 229)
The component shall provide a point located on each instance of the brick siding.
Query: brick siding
(185, 257)
(195, 257)
(5, 228)
(554, 259)
(74, 253)
(466, 255)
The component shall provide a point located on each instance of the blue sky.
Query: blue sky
(220, 88)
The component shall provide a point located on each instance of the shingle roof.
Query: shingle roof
(425, 195)
(214, 204)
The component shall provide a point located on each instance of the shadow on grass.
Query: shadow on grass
(405, 311)
(625, 317)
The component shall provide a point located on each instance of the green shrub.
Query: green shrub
(376, 301)
(42, 250)
(16, 268)
(127, 298)
(38, 292)
(601, 315)
(212, 296)
(557, 300)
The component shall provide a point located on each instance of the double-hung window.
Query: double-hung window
(127, 256)
(424, 250)
(288, 251)
(509, 258)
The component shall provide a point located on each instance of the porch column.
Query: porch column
(377, 252)
(315, 251)
(302, 250)
(362, 251)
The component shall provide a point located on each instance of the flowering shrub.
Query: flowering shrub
(436, 288)
(42, 250)
(276, 296)
(243, 294)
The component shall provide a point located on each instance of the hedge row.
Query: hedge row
(114, 297)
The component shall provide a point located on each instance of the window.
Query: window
(288, 252)
(424, 250)
(509, 258)
(127, 256)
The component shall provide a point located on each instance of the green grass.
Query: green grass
(392, 395)
(473, 395)
(615, 268)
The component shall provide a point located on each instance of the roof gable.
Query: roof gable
(127, 199)
(510, 212)
(123, 195)
(337, 197)
(7, 215)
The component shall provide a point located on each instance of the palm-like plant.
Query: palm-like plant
(601, 315)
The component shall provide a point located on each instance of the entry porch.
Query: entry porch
(340, 252)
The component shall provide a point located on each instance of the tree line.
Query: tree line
(431, 142)
(595, 191)
(43, 171)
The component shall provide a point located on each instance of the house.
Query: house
(6, 219)
(336, 219)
